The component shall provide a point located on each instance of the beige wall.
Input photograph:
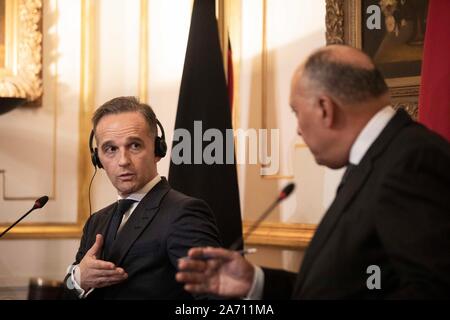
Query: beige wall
(38, 154)
(39, 146)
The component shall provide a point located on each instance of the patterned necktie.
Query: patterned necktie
(122, 207)
(344, 179)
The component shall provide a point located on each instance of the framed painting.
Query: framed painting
(392, 33)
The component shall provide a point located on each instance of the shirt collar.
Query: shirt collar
(140, 194)
(369, 134)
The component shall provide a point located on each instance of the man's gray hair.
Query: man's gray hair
(345, 82)
(126, 104)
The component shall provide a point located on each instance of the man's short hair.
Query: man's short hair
(346, 82)
(126, 104)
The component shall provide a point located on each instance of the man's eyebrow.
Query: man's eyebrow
(106, 144)
(133, 139)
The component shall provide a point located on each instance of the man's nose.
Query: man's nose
(299, 131)
(124, 159)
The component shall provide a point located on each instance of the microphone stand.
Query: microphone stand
(37, 205)
(283, 195)
(255, 225)
(11, 226)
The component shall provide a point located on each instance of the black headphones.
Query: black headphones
(160, 146)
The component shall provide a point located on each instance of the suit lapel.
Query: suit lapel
(136, 224)
(348, 192)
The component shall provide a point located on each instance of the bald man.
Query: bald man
(387, 232)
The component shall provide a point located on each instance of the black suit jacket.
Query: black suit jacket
(162, 228)
(392, 212)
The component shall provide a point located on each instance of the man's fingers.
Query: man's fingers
(220, 253)
(210, 252)
(213, 266)
(197, 288)
(108, 281)
(119, 272)
(190, 277)
(101, 265)
(97, 246)
(191, 264)
(196, 253)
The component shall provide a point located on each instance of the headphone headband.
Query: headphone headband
(160, 142)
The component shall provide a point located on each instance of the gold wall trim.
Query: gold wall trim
(264, 86)
(278, 234)
(234, 29)
(45, 231)
(87, 103)
(264, 67)
(143, 52)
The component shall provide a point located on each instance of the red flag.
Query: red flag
(230, 80)
(434, 101)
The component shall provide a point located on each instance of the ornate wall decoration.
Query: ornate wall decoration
(20, 75)
(335, 21)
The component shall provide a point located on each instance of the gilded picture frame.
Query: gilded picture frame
(346, 24)
(21, 49)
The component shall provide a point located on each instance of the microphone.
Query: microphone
(38, 204)
(287, 190)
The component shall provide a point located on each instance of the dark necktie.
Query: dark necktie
(344, 179)
(122, 207)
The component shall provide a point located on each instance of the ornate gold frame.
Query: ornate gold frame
(21, 77)
(343, 24)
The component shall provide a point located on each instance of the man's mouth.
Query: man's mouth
(126, 176)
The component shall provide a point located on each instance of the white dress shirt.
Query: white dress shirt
(74, 270)
(369, 134)
(365, 139)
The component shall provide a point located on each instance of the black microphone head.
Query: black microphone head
(287, 190)
(39, 203)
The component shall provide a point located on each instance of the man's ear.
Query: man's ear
(328, 108)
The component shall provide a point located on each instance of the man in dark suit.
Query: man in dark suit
(129, 250)
(387, 232)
